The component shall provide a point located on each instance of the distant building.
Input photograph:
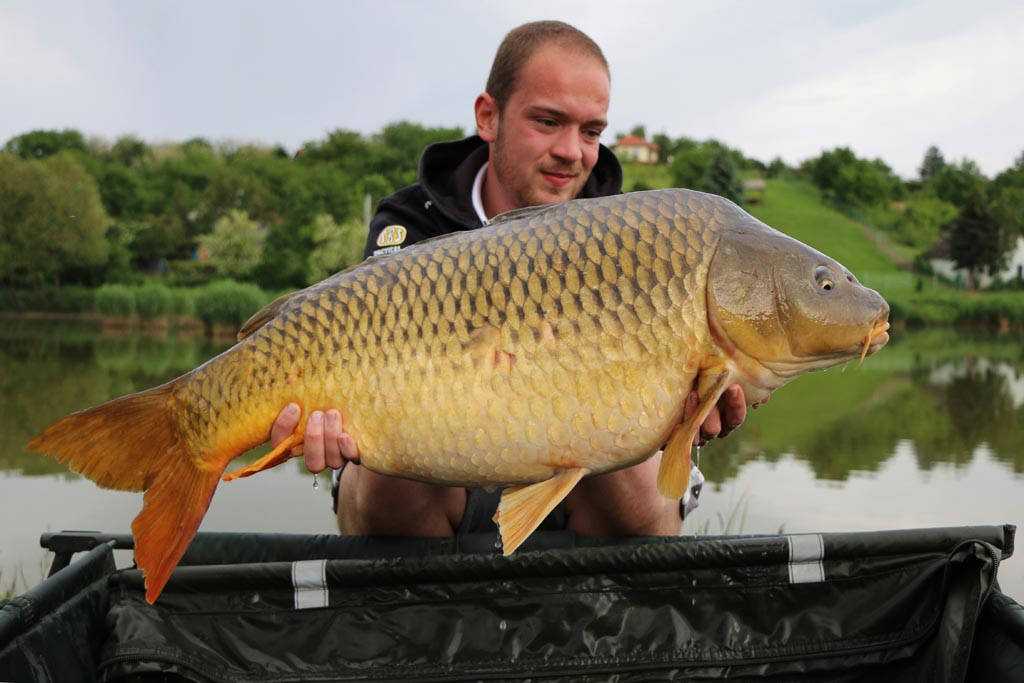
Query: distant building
(633, 148)
(943, 264)
(753, 191)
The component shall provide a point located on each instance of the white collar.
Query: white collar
(477, 195)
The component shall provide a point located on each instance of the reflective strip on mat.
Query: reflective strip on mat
(805, 554)
(309, 578)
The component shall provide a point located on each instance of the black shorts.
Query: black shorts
(480, 508)
(482, 504)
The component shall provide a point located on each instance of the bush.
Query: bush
(69, 299)
(227, 302)
(153, 300)
(917, 312)
(74, 299)
(183, 302)
(115, 300)
(953, 308)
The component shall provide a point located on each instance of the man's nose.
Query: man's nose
(568, 146)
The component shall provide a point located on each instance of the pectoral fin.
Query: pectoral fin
(674, 472)
(523, 508)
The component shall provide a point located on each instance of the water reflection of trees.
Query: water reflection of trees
(47, 371)
(946, 409)
(983, 404)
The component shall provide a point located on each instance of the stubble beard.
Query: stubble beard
(521, 184)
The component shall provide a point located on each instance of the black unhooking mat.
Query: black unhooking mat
(916, 605)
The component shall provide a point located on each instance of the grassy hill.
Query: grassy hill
(796, 208)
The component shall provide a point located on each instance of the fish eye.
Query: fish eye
(824, 277)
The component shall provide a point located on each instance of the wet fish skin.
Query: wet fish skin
(556, 343)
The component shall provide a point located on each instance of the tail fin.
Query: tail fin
(172, 509)
(133, 444)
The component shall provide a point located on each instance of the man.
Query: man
(539, 122)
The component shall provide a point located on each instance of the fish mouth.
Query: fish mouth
(875, 339)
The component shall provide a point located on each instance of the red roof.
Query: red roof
(635, 141)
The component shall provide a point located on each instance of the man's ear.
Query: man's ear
(486, 110)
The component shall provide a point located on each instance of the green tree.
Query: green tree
(849, 180)
(922, 221)
(776, 167)
(932, 165)
(1007, 192)
(639, 131)
(722, 179)
(1008, 209)
(825, 169)
(39, 144)
(664, 144)
(957, 183)
(976, 241)
(120, 236)
(337, 247)
(130, 151)
(51, 219)
(122, 191)
(235, 245)
(690, 161)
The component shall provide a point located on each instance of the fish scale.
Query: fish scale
(552, 344)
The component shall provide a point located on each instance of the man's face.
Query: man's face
(546, 141)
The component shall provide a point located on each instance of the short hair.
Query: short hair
(522, 42)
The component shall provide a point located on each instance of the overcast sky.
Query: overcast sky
(787, 78)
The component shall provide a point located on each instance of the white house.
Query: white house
(943, 265)
(633, 148)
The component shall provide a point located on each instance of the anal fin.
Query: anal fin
(271, 459)
(523, 508)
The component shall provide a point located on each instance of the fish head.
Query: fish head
(779, 308)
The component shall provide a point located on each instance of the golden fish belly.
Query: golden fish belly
(504, 426)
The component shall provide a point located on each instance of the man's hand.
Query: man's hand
(326, 444)
(728, 414)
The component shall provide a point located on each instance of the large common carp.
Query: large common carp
(555, 343)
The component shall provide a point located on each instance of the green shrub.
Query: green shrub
(153, 300)
(183, 302)
(68, 299)
(993, 308)
(227, 302)
(76, 299)
(115, 300)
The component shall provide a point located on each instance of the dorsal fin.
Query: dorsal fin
(264, 315)
(516, 214)
(271, 310)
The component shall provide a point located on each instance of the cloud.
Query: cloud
(788, 78)
(29, 63)
(902, 98)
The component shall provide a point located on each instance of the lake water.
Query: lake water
(929, 432)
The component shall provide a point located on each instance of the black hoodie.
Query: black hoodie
(441, 201)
